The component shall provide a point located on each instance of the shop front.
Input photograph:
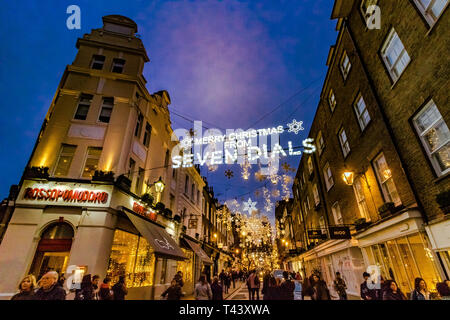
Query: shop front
(401, 250)
(87, 228)
(439, 234)
(343, 256)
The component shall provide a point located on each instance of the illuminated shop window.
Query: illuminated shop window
(91, 164)
(64, 160)
(435, 137)
(187, 266)
(132, 257)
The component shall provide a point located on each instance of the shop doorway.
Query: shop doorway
(53, 249)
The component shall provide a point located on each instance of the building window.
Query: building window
(138, 129)
(345, 65)
(107, 107)
(316, 194)
(384, 176)
(361, 198)
(198, 197)
(310, 165)
(186, 186)
(97, 62)
(64, 160)
(91, 163)
(329, 182)
(166, 157)
(345, 146)
(306, 208)
(193, 192)
(336, 210)
(132, 257)
(435, 137)
(394, 55)
(83, 107)
(307, 202)
(117, 65)
(320, 142)
(304, 178)
(322, 224)
(131, 167)
(140, 181)
(431, 9)
(332, 100)
(362, 113)
(147, 134)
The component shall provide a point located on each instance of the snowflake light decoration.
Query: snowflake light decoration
(229, 173)
(295, 126)
(259, 176)
(250, 206)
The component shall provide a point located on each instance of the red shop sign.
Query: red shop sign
(141, 210)
(65, 195)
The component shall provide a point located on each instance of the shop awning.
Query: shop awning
(157, 237)
(199, 251)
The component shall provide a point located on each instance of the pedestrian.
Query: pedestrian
(298, 276)
(265, 284)
(179, 278)
(234, 277)
(443, 288)
(216, 289)
(61, 280)
(420, 291)
(287, 287)
(227, 282)
(86, 291)
(393, 292)
(306, 288)
(365, 292)
(120, 289)
(379, 292)
(173, 292)
(95, 281)
(254, 284)
(105, 292)
(202, 289)
(273, 291)
(26, 288)
(320, 290)
(49, 288)
(340, 286)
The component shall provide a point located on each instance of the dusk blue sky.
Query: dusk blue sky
(224, 62)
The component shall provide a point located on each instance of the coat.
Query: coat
(367, 293)
(202, 291)
(217, 291)
(120, 291)
(390, 295)
(287, 290)
(24, 295)
(105, 292)
(55, 292)
(320, 291)
(172, 292)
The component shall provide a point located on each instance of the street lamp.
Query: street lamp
(348, 177)
(159, 188)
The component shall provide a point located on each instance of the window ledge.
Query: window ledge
(394, 84)
(443, 177)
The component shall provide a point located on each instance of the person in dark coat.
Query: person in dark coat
(273, 290)
(105, 292)
(393, 292)
(86, 291)
(179, 279)
(120, 289)
(366, 293)
(287, 287)
(50, 290)
(217, 290)
(265, 285)
(173, 292)
(26, 288)
(320, 289)
(340, 286)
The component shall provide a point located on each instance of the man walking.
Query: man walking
(49, 288)
(253, 282)
(366, 293)
(340, 286)
(287, 287)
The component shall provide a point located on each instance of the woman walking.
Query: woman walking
(26, 288)
(393, 292)
(420, 291)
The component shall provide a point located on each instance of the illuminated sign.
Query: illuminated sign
(339, 233)
(143, 211)
(56, 194)
(236, 146)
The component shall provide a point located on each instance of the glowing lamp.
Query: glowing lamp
(159, 186)
(348, 178)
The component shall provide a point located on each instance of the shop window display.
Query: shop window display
(132, 257)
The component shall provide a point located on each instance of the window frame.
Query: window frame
(115, 64)
(147, 143)
(93, 61)
(360, 117)
(392, 69)
(345, 71)
(427, 13)
(421, 135)
(316, 194)
(83, 95)
(385, 193)
(106, 107)
(361, 199)
(139, 125)
(343, 143)
(321, 142)
(334, 212)
(310, 166)
(87, 156)
(332, 102)
(60, 154)
(327, 178)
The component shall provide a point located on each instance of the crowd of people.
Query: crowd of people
(50, 287)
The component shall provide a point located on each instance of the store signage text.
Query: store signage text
(78, 195)
(143, 211)
(339, 233)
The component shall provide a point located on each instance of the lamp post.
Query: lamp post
(159, 188)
